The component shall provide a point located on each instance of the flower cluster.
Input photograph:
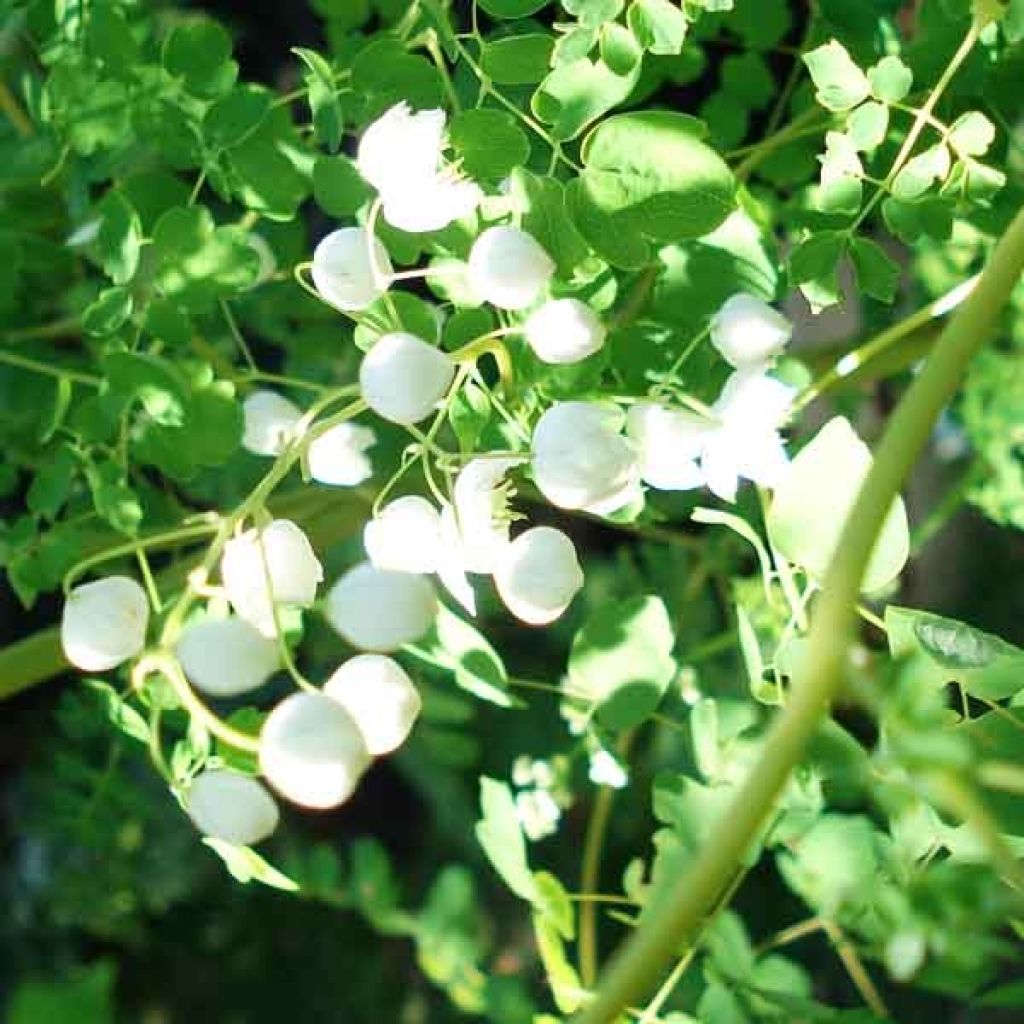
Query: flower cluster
(594, 455)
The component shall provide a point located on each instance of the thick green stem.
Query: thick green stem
(637, 968)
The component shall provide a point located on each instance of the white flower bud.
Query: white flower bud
(226, 657)
(380, 697)
(580, 460)
(343, 273)
(338, 456)
(270, 422)
(402, 378)
(538, 575)
(748, 332)
(668, 443)
(380, 610)
(312, 752)
(104, 623)
(405, 536)
(564, 331)
(508, 268)
(232, 807)
(285, 571)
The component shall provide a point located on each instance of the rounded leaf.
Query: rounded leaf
(814, 498)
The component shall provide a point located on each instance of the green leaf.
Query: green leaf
(246, 865)
(813, 265)
(834, 864)
(920, 173)
(545, 215)
(972, 133)
(455, 645)
(501, 837)
(338, 188)
(877, 274)
(813, 499)
(868, 125)
(840, 83)
(842, 189)
(114, 500)
(120, 237)
(52, 483)
(748, 78)
(659, 26)
(648, 176)
(385, 74)
(890, 80)
(328, 120)
(621, 659)
(577, 92)
(84, 995)
(930, 217)
(489, 142)
(984, 665)
(108, 312)
(109, 39)
(512, 8)
(517, 60)
(155, 382)
(566, 987)
(264, 172)
(594, 13)
(121, 715)
(199, 52)
(235, 115)
(197, 262)
(619, 49)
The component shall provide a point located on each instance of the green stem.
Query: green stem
(637, 968)
(593, 848)
(853, 362)
(921, 121)
(34, 366)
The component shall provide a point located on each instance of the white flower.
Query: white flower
(380, 697)
(402, 378)
(538, 813)
(748, 332)
(338, 456)
(581, 461)
(232, 807)
(270, 422)
(226, 657)
(508, 268)
(668, 444)
(538, 575)
(564, 331)
(312, 752)
(405, 536)
(606, 770)
(343, 273)
(274, 565)
(746, 443)
(481, 511)
(104, 623)
(380, 610)
(401, 155)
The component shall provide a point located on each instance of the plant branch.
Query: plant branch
(638, 966)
